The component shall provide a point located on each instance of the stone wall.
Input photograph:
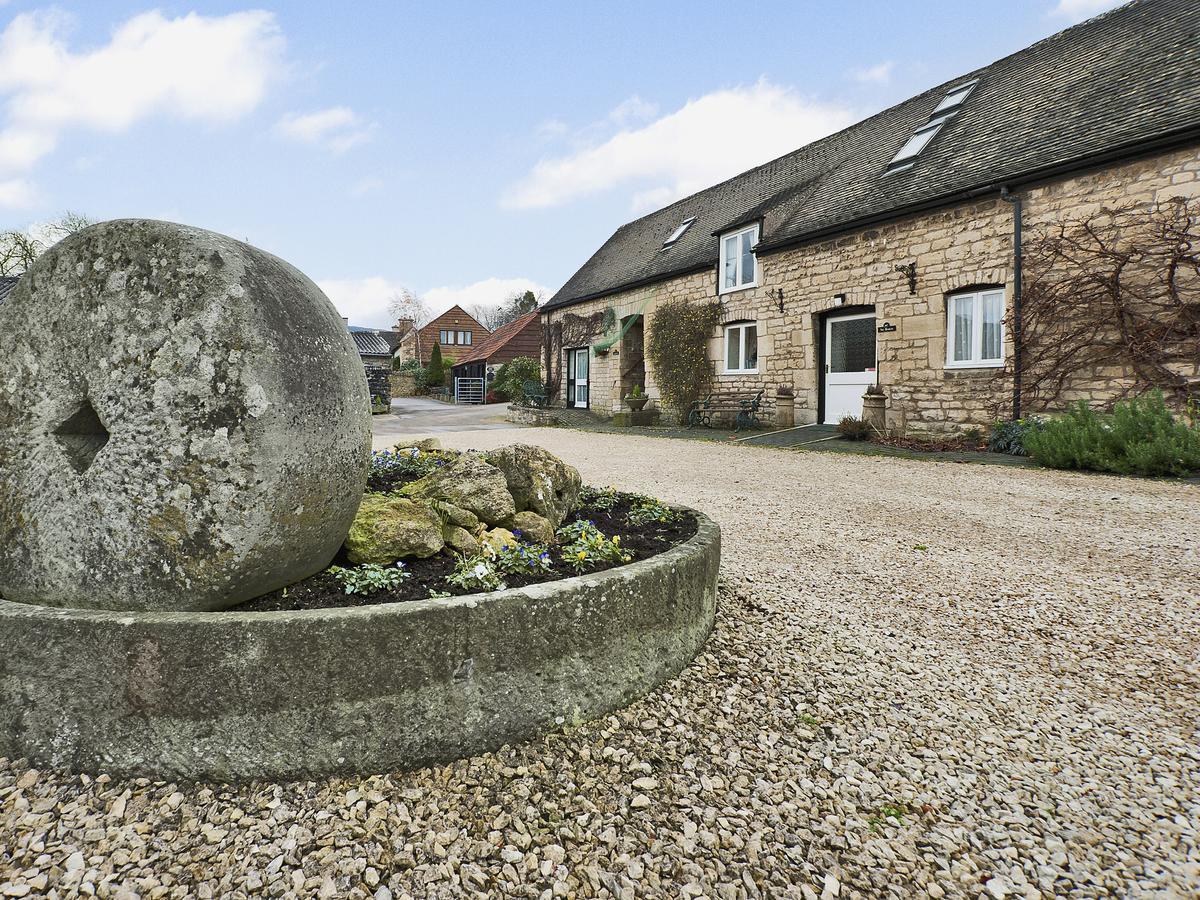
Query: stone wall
(379, 383)
(403, 384)
(955, 248)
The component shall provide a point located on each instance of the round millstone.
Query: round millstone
(184, 423)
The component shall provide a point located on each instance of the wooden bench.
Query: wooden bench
(746, 406)
(534, 394)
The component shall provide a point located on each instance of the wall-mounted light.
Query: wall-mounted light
(779, 297)
(910, 270)
(839, 299)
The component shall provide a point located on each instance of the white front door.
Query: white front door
(577, 378)
(849, 364)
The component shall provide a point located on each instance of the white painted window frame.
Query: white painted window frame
(739, 285)
(976, 361)
(740, 328)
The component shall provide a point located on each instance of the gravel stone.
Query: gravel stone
(1014, 705)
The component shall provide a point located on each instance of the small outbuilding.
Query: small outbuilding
(520, 337)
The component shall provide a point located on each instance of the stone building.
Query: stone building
(884, 253)
(456, 330)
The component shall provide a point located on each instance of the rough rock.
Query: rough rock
(533, 527)
(497, 539)
(459, 516)
(388, 528)
(538, 480)
(460, 539)
(471, 484)
(201, 438)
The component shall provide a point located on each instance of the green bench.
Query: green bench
(534, 394)
(746, 407)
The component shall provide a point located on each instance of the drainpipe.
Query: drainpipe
(1015, 200)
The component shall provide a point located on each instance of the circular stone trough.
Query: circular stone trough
(239, 695)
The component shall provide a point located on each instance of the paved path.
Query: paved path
(926, 679)
(420, 415)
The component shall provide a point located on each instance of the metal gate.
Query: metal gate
(468, 390)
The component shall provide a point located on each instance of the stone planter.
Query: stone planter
(637, 404)
(238, 695)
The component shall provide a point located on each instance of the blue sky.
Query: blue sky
(462, 150)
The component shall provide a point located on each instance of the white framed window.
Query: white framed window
(975, 329)
(447, 337)
(464, 338)
(739, 268)
(741, 348)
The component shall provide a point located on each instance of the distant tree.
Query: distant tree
(513, 307)
(435, 375)
(18, 249)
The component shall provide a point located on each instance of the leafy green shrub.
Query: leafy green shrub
(853, 428)
(435, 374)
(1140, 437)
(583, 545)
(510, 379)
(1009, 437)
(370, 578)
(678, 351)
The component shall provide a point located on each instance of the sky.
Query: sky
(463, 151)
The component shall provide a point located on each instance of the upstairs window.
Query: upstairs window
(447, 337)
(464, 338)
(975, 330)
(739, 268)
(678, 232)
(741, 348)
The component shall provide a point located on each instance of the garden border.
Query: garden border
(238, 695)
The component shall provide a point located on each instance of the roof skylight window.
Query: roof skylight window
(942, 114)
(678, 232)
(953, 99)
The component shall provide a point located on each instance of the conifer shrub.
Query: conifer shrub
(435, 374)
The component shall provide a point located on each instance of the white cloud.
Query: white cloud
(366, 301)
(709, 139)
(877, 74)
(17, 193)
(489, 292)
(339, 128)
(1078, 10)
(211, 69)
(371, 184)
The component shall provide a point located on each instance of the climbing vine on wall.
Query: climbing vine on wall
(678, 350)
(570, 331)
(1117, 290)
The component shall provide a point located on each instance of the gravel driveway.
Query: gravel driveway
(926, 678)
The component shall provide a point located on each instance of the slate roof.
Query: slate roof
(489, 346)
(7, 283)
(370, 343)
(1124, 82)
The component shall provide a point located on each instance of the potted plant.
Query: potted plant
(637, 398)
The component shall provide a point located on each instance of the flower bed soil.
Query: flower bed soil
(428, 576)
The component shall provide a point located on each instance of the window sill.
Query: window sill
(967, 366)
(740, 372)
(736, 290)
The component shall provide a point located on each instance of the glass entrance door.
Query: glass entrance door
(577, 378)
